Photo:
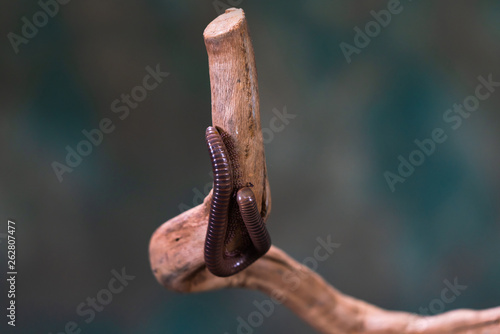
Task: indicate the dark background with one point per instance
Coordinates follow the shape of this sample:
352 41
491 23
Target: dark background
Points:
326 167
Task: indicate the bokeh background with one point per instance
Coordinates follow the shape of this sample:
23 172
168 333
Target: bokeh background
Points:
326 167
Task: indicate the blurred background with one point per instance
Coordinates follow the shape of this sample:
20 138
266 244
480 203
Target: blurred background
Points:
354 116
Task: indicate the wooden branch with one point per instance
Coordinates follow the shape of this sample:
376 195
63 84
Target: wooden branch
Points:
176 254
176 247
235 100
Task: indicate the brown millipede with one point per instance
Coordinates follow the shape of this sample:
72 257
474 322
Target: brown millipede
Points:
236 234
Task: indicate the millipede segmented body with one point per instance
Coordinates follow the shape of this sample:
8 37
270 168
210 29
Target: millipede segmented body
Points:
236 234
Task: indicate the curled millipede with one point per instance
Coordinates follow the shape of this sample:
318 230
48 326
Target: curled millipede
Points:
236 234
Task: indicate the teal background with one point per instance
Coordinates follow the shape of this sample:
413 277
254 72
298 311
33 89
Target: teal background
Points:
326 167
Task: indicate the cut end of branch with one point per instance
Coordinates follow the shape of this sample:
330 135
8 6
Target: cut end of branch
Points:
230 21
